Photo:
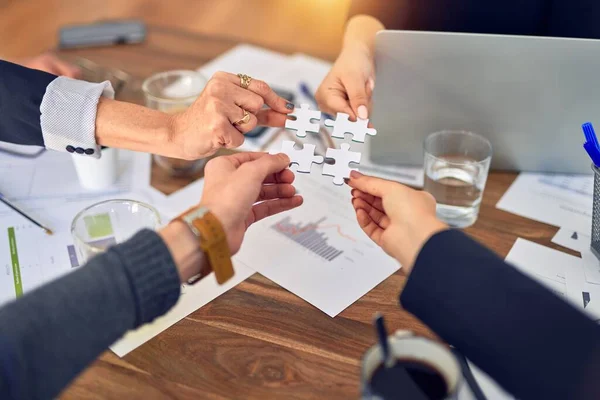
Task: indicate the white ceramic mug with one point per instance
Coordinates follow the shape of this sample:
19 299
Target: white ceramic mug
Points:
97 173
405 346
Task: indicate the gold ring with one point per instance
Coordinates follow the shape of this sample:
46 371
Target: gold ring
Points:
244 120
244 80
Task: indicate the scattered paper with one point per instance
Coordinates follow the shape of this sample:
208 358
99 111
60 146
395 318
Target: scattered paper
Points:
318 250
571 239
580 293
183 199
563 274
32 258
257 62
192 298
545 265
50 180
545 198
591 266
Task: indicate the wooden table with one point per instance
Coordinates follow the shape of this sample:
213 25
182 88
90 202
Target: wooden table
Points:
258 340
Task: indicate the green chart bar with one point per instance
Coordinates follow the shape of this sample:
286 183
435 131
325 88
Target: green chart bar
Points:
12 241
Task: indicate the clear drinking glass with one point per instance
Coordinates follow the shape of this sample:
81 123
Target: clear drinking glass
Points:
456 169
172 92
101 225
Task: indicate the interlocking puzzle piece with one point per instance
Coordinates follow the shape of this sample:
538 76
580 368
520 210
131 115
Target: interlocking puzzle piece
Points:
304 158
340 170
343 125
302 124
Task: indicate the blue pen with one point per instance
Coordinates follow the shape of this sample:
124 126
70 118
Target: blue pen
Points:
591 145
305 90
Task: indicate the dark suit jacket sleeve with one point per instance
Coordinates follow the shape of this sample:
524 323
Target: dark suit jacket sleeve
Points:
530 341
21 93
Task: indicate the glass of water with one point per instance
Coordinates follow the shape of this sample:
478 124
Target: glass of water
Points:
102 225
456 169
173 92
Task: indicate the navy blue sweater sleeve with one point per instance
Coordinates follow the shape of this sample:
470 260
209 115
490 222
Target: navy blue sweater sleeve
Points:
50 335
21 93
530 341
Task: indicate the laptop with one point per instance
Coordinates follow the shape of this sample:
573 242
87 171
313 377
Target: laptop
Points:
527 95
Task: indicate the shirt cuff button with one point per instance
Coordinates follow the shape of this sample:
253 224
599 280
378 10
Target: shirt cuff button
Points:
70 149
79 150
89 152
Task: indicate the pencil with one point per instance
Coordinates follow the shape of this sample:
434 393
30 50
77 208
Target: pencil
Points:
24 215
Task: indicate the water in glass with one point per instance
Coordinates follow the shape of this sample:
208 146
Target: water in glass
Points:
457 183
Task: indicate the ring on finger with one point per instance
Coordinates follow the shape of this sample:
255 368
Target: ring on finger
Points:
244 80
244 120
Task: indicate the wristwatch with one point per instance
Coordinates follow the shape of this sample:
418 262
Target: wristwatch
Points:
213 242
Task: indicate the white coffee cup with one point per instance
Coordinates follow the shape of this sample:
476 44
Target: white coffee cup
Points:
97 173
405 346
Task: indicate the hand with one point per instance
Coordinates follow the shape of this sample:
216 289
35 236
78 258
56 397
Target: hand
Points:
394 216
244 188
48 62
207 125
349 85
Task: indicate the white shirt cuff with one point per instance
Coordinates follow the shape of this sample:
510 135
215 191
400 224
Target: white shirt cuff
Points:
68 115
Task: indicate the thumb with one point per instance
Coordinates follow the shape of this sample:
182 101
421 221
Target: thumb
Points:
374 186
266 165
358 97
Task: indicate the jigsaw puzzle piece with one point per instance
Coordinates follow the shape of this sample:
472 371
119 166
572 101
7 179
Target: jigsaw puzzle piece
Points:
341 170
303 122
342 125
304 157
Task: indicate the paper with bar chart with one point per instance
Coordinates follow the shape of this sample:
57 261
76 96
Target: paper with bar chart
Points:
29 257
318 251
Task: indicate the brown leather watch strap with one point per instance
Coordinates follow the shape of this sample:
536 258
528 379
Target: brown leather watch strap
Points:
213 242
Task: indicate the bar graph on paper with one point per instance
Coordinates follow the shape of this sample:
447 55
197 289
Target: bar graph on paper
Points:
313 236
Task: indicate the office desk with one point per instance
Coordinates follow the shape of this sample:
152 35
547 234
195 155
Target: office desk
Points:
259 341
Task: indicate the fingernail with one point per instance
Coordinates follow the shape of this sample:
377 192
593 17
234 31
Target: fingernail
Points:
363 113
355 174
289 106
371 83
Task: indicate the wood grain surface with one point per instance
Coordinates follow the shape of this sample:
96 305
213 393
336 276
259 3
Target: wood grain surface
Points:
257 341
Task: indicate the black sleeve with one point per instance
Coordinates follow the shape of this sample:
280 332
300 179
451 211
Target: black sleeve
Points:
21 93
530 341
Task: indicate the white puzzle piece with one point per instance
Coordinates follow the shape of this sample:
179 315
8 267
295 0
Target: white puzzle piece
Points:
341 169
304 158
343 125
303 122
